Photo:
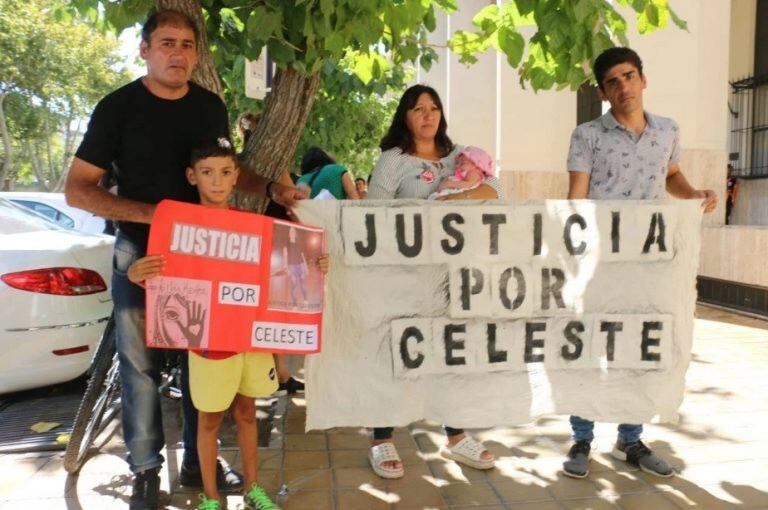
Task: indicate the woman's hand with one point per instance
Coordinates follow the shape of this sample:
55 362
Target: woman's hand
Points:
146 268
324 263
482 192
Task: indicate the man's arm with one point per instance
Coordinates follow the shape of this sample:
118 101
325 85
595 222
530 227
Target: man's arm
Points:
280 191
83 191
578 185
678 186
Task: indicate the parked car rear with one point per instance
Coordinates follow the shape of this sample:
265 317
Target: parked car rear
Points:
54 298
54 207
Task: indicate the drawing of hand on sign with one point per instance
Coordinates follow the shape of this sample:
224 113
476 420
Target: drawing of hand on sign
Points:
193 328
181 321
178 313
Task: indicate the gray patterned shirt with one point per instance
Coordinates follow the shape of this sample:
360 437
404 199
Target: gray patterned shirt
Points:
621 164
401 175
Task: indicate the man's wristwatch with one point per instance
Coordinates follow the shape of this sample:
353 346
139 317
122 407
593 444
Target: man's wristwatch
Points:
269 189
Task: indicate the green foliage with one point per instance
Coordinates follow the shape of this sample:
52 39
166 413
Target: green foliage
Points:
54 66
568 36
350 117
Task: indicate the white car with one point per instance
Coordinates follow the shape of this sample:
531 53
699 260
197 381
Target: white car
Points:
54 206
54 299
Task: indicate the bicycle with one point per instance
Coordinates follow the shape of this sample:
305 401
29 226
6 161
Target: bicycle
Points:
100 403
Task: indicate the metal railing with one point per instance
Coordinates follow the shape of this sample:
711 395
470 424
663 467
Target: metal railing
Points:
748 142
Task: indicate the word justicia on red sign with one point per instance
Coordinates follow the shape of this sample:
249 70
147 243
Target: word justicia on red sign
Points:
234 282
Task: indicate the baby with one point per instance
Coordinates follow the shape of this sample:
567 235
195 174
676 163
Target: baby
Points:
473 165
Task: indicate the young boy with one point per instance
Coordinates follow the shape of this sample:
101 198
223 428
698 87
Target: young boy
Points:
219 378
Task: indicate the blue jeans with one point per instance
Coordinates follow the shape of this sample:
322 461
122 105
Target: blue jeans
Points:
583 430
140 371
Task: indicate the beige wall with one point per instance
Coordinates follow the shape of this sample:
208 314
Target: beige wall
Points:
529 132
735 254
752 202
742 38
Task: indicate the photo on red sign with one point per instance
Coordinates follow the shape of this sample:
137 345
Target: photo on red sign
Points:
296 283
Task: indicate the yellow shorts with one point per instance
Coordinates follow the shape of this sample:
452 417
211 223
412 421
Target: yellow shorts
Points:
214 383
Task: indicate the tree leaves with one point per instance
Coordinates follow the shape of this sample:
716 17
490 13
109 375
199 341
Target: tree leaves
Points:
569 35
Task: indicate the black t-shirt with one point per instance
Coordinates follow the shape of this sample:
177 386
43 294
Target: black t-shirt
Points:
147 141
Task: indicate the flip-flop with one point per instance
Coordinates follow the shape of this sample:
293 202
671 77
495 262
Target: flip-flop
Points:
385 452
468 451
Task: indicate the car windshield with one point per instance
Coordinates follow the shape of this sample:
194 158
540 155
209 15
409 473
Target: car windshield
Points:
15 219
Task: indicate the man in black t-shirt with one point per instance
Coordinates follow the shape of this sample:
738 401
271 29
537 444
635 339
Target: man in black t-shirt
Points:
145 132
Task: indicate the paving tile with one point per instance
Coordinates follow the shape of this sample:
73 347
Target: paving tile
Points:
270 459
305 442
305 460
418 474
619 483
269 479
308 479
458 494
570 488
653 500
350 499
307 500
540 505
418 496
348 442
700 499
517 492
39 487
349 459
719 444
350 478
452 472
590 504
411 456
747 495
83 503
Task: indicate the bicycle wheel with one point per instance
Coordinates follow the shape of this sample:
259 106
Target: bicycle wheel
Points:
100 403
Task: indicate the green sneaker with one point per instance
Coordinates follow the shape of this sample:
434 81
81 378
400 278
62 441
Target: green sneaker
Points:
257 499
208 504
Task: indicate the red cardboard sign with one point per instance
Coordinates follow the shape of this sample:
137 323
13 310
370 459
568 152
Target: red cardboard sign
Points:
234 282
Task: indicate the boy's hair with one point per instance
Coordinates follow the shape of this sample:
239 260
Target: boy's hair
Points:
360 179
615 56
168 17
315 158
219 148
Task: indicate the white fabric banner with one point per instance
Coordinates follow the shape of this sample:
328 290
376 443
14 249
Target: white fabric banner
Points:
478 314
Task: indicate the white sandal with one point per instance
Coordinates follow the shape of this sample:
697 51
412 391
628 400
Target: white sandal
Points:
385 452
468 451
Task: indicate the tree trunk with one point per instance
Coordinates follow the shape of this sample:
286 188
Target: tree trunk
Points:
13 172
34 159
205 74
8 160
48 151
66 156
270 149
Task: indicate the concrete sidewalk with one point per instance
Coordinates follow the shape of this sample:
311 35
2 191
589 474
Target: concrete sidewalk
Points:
720 447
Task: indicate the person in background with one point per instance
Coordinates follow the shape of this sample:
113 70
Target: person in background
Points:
731 191
320 171
362 188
